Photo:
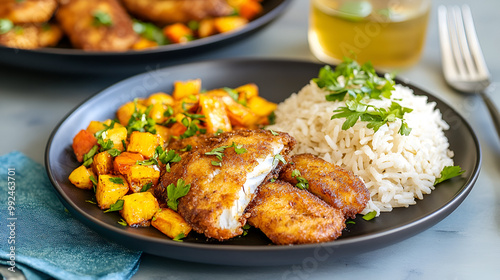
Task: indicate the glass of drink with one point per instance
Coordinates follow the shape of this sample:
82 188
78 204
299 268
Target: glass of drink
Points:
389 33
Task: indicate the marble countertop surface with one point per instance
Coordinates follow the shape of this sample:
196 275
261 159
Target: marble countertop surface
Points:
465 245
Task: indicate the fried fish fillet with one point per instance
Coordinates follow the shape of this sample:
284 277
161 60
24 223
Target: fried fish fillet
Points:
222 187
171 11
96 25
289 215
338 187
31 36
27 11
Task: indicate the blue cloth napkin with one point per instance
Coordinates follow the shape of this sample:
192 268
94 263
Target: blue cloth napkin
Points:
47 241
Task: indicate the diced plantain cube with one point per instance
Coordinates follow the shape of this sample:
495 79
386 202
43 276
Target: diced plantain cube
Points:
170 223
206 28
102 163
82 143
143 143
247 92
126 110
140 175
139 208
117 135
80 177
163 133
156 112
184 89
261 106
215 114
109 189
159 98
125 160
229 23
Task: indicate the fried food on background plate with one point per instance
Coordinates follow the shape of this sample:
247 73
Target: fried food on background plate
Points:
289 215
338 187
171 11
97 25
31 36
27 11
224 174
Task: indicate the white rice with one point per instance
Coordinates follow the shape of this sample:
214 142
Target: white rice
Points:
396 169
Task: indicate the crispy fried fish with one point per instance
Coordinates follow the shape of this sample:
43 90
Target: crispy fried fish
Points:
338 187
170 11
96 25
31 36
289 215
224 173
27 11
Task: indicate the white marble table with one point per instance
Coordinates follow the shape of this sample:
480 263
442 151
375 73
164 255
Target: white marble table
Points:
465 245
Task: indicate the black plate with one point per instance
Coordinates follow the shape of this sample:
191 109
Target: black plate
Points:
66 60
277 79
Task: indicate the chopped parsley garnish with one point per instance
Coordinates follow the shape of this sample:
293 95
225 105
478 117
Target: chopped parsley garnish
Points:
234 95
146 187
90 201
355 84
186 149
123 222
179 237
278 158
273 132
88 158
175 192
114 152
246 227
370 215
5 26
94 181
116 180
117 206
102 18
139 121
191 122
449 172
150 31
350 222
219 152
302 182
161 155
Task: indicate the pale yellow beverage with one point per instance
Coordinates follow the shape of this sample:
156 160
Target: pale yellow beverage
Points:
389 33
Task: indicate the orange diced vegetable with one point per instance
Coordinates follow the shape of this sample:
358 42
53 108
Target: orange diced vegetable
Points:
102 163
82 143
139 208
80 177
246 92
144 143
144 43
140 175
125 160
178 33
156 112
183 89
110 189
163 133
215 114
261 106
159 98
206 28
126 110
177 129
250 9
117 135
170 223
229 23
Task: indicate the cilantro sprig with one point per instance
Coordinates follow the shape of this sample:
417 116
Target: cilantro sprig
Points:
302 182
163 156
140 120
356 83
449 172
175 192
219 152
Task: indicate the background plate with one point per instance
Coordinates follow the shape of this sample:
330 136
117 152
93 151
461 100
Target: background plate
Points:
276 79
66 60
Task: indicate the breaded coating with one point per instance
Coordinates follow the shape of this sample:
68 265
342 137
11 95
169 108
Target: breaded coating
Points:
96 25
219 195
289 215
31 36
27 11
338 187
171 11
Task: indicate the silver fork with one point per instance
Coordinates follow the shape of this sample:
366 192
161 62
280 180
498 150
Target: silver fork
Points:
464 67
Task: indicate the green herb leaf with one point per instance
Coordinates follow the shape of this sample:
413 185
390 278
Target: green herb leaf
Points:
175 192
302 182
117 206
146 187
179 237
370 215
150 31
449 172
140 121
273 132
5 26
114 152
350 222
123 222
91 201
88 157
102 18
116 180
278 157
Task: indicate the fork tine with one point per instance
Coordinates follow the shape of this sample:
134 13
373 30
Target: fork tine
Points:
454 19
477 54
463 44
449 68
